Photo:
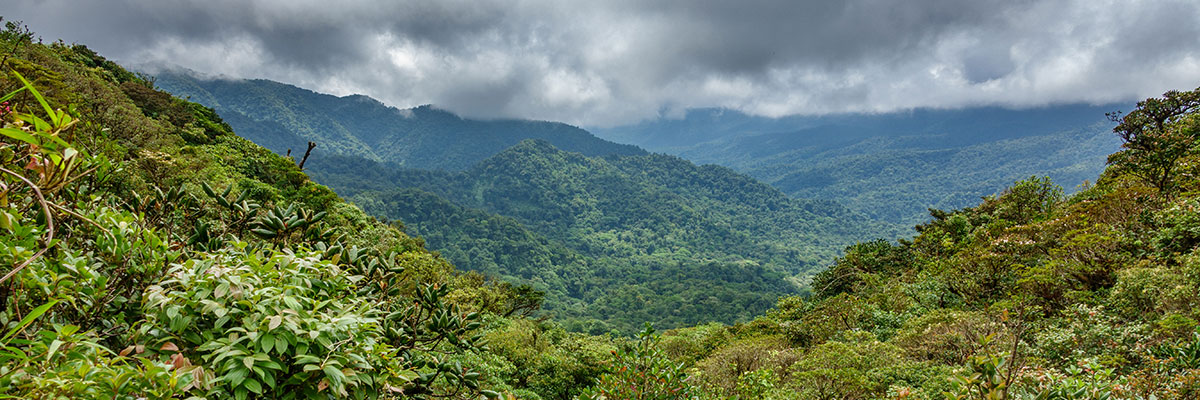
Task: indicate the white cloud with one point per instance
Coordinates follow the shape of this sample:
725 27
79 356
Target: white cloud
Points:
612 62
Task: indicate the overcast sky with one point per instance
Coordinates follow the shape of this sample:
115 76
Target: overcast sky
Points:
606 62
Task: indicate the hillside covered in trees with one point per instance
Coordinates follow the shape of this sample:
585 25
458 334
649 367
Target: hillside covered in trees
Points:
895 166
150 252
280 117
613 241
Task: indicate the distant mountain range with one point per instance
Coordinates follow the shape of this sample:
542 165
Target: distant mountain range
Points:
891 166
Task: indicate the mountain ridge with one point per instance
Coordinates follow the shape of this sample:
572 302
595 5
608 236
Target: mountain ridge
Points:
281 117
893 167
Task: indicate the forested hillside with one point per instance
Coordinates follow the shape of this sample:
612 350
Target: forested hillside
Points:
613 241
282 117
1031 294
892 167
151 253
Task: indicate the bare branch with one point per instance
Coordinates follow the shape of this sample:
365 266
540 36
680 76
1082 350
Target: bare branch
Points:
49 226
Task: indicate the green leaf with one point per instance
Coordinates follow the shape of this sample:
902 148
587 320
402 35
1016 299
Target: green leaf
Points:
6 220
281 345
253 386
335 375
37 312
20 135
264 233
236 376
29 86
12 94
56 140
307 359
267 342
53 349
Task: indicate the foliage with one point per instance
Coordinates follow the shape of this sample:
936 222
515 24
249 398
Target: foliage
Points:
547 360
154 254
1028 295
1158 133
281 321
642 372
132 277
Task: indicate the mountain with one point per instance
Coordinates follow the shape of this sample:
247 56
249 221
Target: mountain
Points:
281 117
612 240
613 236
892 167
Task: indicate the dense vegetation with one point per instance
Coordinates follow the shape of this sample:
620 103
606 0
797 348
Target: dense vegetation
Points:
613 241
892 167
282 117
152 253
1029 295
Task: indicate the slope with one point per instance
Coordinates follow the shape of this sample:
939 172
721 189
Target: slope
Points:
1029 294
150 252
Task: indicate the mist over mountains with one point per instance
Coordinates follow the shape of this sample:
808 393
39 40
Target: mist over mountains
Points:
892 166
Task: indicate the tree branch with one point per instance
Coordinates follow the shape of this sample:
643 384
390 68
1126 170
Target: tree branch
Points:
311 145
49 226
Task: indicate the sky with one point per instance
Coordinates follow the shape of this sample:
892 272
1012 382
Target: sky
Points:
611 62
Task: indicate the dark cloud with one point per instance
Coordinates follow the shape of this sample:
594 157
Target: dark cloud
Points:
618 61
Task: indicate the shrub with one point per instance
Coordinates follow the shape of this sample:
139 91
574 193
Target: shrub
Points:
857 367
722 370
642 372
946 336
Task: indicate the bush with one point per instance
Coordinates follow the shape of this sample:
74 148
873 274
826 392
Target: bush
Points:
857 367
642 372
722 370
946 336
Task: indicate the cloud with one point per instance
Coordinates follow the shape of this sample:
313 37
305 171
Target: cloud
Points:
619 61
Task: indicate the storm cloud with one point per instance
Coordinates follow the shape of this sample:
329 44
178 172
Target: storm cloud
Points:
602 63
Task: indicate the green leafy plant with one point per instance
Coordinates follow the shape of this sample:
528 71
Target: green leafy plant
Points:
642 372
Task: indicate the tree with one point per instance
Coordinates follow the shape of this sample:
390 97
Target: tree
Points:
1157 134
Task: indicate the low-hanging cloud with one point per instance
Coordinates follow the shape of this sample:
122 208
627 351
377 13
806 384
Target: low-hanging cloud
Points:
611 62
